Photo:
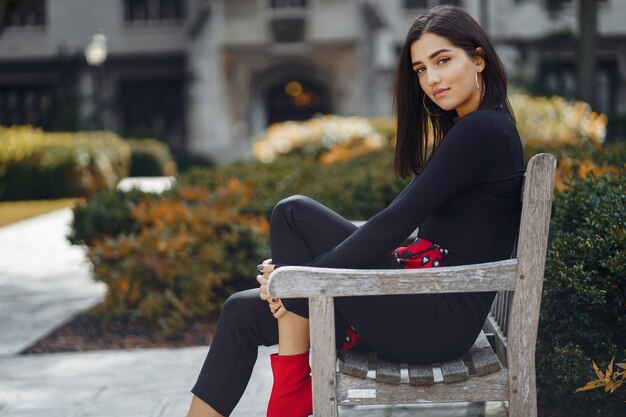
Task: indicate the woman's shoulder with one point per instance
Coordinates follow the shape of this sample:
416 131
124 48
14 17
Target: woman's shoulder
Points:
485 125
497 116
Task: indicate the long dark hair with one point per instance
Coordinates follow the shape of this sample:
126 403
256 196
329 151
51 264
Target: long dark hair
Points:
414 123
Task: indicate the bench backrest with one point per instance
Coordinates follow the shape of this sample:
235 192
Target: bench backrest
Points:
523 314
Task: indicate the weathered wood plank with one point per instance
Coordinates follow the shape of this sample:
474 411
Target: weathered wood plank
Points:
355 391
387 371
492 327
454 371
300 281
524 308
323 355
355 364
507 303
483 360
421 375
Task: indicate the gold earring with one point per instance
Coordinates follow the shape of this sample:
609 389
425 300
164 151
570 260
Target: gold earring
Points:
426 108
482 90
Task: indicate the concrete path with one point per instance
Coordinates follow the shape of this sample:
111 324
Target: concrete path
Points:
43 283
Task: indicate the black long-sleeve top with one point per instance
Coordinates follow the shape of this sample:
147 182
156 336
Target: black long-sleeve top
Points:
466 199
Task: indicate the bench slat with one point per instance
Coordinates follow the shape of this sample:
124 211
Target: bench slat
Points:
483 359
421 375
355 364
387 371
356 391
302 281
454 371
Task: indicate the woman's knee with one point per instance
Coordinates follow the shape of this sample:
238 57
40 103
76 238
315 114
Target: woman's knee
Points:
294 202
241 307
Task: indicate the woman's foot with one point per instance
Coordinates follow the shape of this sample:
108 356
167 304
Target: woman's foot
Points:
291 393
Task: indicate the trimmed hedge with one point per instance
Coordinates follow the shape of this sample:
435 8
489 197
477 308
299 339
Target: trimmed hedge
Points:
38 165
583 310
150 158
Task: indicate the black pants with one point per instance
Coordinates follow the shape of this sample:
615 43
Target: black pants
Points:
404 328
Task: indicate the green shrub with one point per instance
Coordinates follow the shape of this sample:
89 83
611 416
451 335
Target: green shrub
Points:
38 165
356 189
150 158
106 214
583 310
188 161
189 254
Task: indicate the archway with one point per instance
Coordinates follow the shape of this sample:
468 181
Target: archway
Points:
295 98
288 92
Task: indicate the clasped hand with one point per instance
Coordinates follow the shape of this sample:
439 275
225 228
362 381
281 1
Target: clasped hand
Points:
276 306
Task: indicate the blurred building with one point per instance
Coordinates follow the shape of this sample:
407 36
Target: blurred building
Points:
208 75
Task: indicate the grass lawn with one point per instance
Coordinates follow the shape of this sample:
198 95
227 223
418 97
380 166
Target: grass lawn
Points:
14 211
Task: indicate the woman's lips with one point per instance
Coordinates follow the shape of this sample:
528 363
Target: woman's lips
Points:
439 93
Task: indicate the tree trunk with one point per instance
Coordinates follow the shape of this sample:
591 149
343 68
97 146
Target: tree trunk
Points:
587 12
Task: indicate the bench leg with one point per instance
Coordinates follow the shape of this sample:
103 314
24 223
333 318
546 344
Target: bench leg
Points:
323 356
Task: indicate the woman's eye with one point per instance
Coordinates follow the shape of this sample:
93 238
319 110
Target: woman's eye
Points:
443 60
420 70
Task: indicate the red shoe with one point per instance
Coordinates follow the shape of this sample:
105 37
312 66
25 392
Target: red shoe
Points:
291 393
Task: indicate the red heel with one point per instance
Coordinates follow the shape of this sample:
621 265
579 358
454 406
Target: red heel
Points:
291 393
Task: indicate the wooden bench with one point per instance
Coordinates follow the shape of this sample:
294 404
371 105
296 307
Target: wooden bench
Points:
481 375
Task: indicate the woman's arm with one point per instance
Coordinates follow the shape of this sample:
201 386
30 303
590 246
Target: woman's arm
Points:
462 161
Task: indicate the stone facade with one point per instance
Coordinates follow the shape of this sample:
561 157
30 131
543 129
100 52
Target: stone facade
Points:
211 77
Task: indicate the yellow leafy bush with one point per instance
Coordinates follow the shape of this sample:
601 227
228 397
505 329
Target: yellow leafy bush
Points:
37 164
191 251
554 120
318 137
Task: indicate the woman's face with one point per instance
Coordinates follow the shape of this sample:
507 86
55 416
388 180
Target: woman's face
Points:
447 74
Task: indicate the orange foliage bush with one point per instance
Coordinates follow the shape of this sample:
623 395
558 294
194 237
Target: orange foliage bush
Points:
569 168
190 252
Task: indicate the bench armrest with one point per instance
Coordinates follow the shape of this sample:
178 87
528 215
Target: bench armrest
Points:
300 281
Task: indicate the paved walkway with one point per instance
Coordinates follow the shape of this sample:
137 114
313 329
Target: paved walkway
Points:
43 283
44 280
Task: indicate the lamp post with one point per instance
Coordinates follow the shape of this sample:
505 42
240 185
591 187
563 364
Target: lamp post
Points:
96 54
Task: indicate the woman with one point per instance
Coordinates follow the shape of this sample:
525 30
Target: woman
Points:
451 86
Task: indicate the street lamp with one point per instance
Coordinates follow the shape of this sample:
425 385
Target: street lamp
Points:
96 50
96 54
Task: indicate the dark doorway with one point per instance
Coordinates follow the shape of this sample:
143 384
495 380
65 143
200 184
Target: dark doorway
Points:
296 99
153 108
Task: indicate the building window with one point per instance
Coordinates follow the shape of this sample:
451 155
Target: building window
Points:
415 4
153 10
28 13
288 4
153 109
25 104
424 4
457 3
287 20
559 78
